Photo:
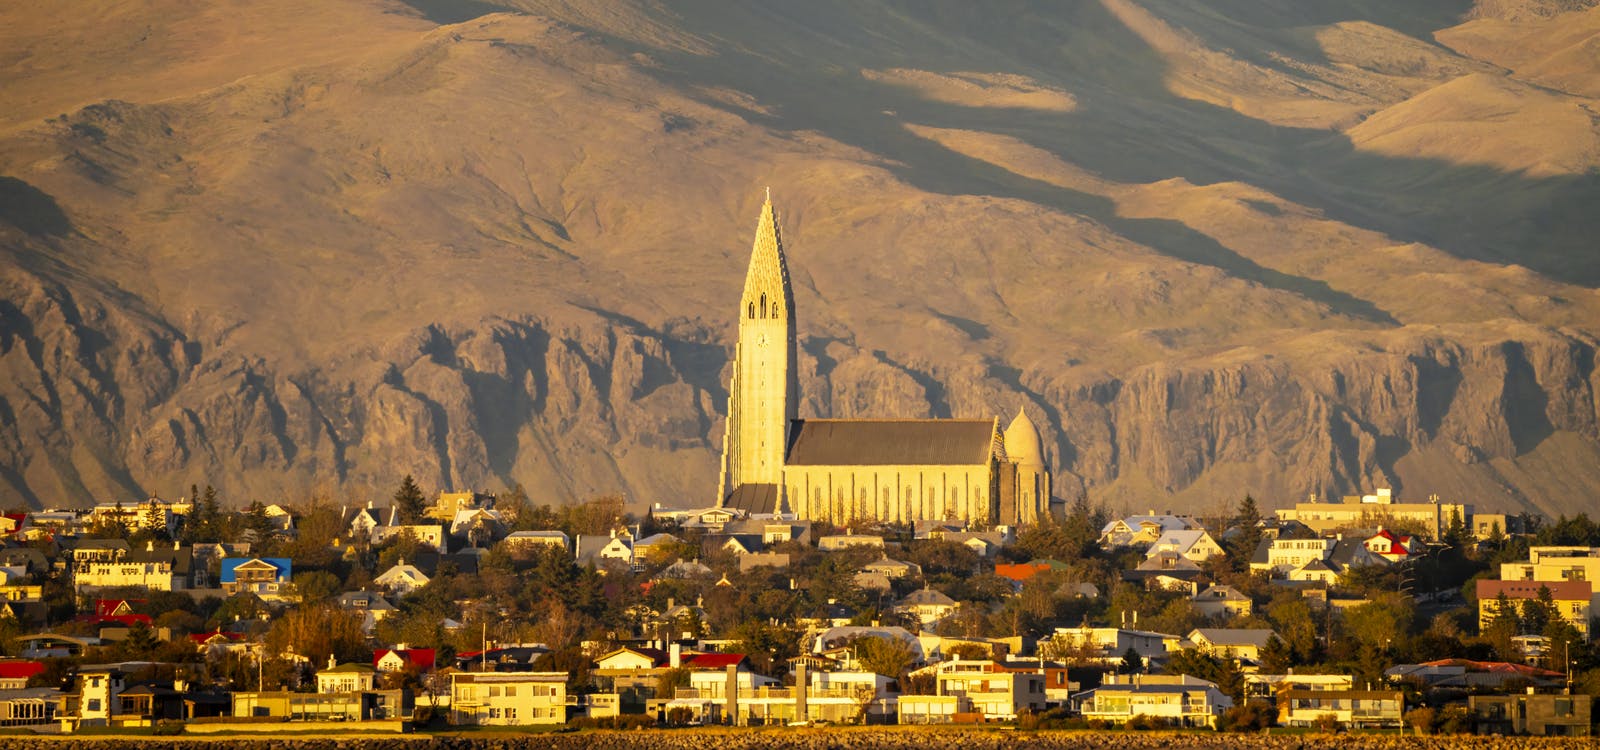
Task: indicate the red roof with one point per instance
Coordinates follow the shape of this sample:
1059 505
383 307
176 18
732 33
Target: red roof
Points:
1020 572
713 661
1493 666
203 637
421 658
1559 590
20 670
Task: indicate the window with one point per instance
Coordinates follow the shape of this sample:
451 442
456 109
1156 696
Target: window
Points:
752 311
511 691
511 713
494 713
494 691
763 304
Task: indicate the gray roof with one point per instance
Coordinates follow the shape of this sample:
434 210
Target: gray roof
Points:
753 498
1257 637
890 442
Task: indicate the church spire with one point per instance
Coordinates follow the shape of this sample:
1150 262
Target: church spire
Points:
763 394
766 284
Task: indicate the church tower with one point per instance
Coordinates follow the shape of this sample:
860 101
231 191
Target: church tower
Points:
763 396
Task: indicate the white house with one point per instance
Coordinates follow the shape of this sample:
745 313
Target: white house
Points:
1179 700
508 698
402 579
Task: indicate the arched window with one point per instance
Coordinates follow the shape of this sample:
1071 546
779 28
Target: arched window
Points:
752 311
763 304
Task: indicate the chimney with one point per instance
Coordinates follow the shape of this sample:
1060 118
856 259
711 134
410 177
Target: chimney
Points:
332 662
150 545
670 603
675 655
369 505
732 706
176 545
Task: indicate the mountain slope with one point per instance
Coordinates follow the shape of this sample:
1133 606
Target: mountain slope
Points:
1212 249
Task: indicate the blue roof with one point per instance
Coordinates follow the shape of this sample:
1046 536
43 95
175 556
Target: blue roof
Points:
283 564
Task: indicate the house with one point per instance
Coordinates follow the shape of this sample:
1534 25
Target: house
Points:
1535 714
478 526
1105 646
52 645
1268 686
716 682
218 642
1434 517
1138 531
345 678
1243 644
267 578
985 543
402 578
370 605
1550 564
1177 700
843 541
1475 675
1572 599
526 540
604 551
1277 557
15 673
510 657
980 687
29 706
359 523
656 547
734 544
637 658
1391 546
508 698
1353 709
821 695
750 562
929 606
683 570
401 658
429 535
843 636
1194 544
1058 684
451 503
1219 600
151 568
367 706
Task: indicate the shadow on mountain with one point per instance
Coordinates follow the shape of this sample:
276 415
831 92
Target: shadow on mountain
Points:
1128 127
31 210
445 12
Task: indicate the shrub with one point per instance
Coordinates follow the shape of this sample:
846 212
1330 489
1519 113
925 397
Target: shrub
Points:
1328 723
167 728
1423 720
1455 720
1250 717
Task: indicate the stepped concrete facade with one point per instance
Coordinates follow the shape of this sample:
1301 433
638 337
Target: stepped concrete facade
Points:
847 470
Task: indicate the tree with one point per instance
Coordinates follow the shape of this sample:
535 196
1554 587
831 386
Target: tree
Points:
258 524
317 632
409 503
1539 612
890 657
1132 662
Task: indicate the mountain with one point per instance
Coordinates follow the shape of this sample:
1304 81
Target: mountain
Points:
1213 248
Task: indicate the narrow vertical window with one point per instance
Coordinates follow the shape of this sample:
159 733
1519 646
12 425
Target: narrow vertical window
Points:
763 304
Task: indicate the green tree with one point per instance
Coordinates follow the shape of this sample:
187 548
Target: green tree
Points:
890 657
259 525
1132 662
409 503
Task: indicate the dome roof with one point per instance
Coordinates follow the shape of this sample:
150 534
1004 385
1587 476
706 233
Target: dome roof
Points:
1022 441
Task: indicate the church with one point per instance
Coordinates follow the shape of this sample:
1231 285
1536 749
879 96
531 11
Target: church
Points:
845 470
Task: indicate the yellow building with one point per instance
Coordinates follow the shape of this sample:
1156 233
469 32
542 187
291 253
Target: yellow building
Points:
844 470
508 698
1432 518
1571 598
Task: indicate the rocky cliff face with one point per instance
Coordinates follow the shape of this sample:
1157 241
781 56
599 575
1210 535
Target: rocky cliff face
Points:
1209 255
